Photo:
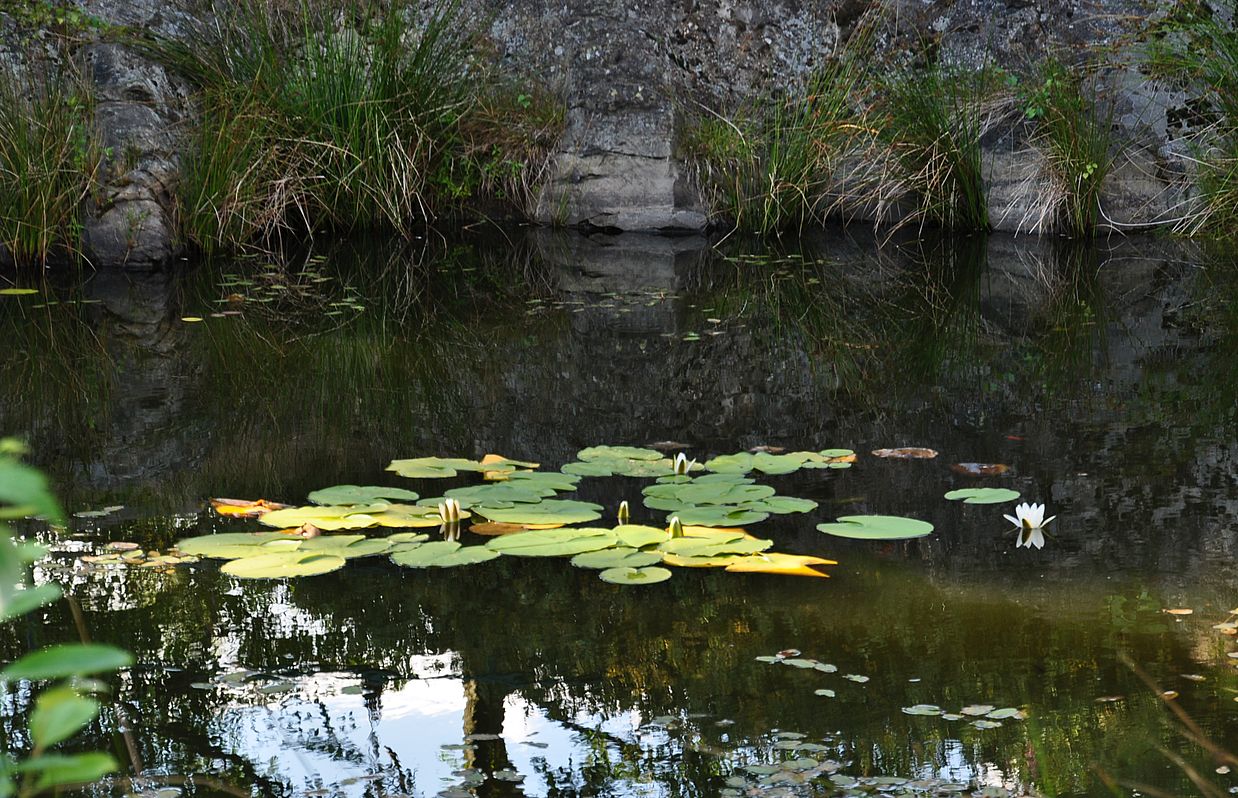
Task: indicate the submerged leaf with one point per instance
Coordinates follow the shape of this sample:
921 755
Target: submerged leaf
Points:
980 469
906 453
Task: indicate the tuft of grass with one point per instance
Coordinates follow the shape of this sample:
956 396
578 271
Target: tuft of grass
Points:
932 120
772 167
320 115
1074 134
1197 47
48 161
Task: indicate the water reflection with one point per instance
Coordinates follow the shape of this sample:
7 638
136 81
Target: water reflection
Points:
1104 377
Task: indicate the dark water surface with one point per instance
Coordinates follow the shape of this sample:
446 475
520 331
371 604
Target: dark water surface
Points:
1104 376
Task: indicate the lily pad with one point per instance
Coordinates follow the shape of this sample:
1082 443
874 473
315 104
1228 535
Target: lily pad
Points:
706 547
780 564
635 576
824 692
637 536
923 709
433 467
876 527
1004 713
983 495
331 517
553 542
977 710
346 546
617 453
500 494
553 480
234 545
360 494
719 516
620 557
550 511
442 554
283 565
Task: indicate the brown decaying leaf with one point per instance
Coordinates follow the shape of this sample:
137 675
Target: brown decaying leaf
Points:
669 446
906 453
980 469
846 458
240 508
768 449
498 475
1179 612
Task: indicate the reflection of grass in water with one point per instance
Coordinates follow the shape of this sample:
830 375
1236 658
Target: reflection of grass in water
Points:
56 375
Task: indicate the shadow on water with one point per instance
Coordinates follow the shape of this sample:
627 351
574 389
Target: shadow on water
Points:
1104 376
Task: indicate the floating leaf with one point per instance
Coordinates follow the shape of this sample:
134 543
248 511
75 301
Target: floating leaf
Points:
824 692
329 517
781 564
500 494
906 453
433 467
18 291
855 677
243 508
346 546
680 561
977 709
550 511
628 461
283 565
980 469
635 576
986 724
234 545
620 557
360 494
719 516
617 453
983 495
553 542
876 527
923 709
494 528
443 554
552 480
715 547
637 537
498 467
780 505
1182 611
1003 714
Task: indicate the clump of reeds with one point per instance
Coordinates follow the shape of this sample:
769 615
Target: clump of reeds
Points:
932 120
773 165
1074 136
358 115
48 160
1197 48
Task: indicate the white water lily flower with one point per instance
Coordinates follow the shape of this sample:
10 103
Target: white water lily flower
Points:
1030 520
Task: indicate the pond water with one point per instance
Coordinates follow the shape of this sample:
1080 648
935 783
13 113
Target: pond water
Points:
1103 376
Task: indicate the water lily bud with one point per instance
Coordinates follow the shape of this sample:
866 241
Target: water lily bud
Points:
624 513
681 464
676 527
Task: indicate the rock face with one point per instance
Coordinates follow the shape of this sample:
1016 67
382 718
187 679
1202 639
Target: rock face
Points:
631 73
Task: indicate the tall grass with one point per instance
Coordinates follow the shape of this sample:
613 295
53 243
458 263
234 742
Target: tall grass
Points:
1199 50
320 116
772 167
1074 135
933 119
48 160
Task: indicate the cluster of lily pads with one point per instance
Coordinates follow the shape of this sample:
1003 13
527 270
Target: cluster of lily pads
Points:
983 716
705 506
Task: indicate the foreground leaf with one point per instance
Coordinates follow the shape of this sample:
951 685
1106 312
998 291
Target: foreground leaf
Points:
69 659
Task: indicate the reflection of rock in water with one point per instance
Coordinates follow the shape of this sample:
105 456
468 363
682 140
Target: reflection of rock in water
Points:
150 430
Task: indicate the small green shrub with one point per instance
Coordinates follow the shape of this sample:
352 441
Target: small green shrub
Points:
48 160
932 120
1074 134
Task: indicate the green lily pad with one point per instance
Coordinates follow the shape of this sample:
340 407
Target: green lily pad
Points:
986 724
329 517
824 692
720 516
442 554
976 710
617 453
983 495
360 494
404 538
635 576
781 505
346 546
552 480
434 467
1004 713
709 547
233 545
550 511
637 537
553 542
500 494
620 557
876 527
923 709
587 469
283 565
